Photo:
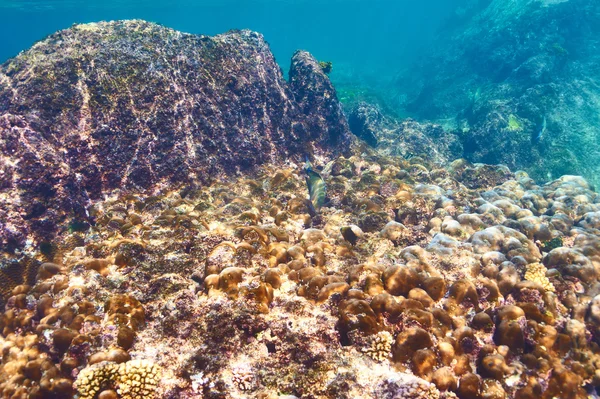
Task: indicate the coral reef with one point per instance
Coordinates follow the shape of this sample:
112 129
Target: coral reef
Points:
417 278
234 290
496 75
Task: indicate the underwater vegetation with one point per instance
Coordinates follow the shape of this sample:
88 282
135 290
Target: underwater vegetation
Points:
326 66
513 124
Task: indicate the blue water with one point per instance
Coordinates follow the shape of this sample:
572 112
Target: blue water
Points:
364 37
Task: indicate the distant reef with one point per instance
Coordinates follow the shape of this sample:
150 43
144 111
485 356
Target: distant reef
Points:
406 139
500 68
137 107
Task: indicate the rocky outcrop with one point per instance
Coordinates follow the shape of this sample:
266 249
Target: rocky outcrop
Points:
316 97
406 138
504 67
138 107
365 122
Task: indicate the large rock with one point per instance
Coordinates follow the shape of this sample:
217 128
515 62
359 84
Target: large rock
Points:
134 106
500 68
316 97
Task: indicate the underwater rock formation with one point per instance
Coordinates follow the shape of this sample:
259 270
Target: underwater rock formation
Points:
501 69
137 107
315 95
406 138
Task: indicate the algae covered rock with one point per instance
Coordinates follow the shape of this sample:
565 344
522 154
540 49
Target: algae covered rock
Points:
316 98
407 138
364 121
135 106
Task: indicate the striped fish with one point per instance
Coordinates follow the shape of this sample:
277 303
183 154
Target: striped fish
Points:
539 134
316 187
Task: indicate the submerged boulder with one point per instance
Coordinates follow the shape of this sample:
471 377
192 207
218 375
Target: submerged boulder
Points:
316 97
135 106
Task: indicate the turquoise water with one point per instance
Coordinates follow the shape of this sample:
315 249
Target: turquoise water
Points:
364 37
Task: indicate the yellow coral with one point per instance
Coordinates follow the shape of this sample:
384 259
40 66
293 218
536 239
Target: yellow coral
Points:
536 272
381 346
135 379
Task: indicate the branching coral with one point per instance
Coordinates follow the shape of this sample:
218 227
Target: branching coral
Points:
381 346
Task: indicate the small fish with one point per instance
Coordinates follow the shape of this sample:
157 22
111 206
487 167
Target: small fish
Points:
539 134
76 225
316 187
349 234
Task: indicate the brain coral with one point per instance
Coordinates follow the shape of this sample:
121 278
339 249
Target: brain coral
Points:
135 379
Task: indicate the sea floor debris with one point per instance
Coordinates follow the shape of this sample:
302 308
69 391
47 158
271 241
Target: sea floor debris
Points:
235 291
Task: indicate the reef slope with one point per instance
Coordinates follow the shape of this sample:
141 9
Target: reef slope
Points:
500 68
136 106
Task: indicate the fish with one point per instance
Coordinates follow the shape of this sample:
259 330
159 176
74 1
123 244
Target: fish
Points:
316 187
539 133
349 234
